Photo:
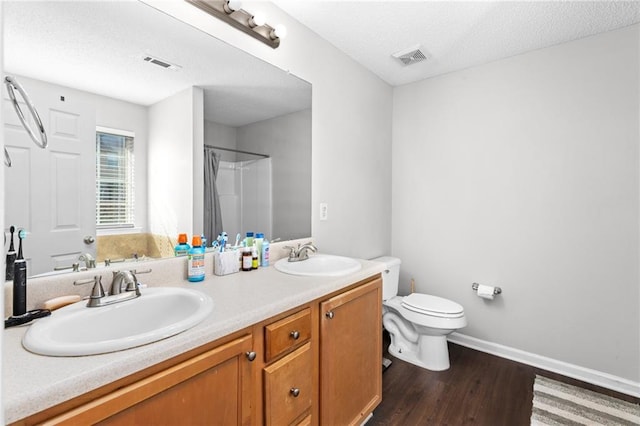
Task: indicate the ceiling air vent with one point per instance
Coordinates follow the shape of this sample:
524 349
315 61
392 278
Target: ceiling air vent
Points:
161 63
410 56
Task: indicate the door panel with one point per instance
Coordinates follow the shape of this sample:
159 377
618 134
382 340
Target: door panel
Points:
51 192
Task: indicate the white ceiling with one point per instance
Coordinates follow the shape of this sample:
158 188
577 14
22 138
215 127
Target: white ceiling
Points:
454 35
98 46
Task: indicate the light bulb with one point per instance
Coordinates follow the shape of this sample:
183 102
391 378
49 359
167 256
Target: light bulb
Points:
232 5
257 20
280 31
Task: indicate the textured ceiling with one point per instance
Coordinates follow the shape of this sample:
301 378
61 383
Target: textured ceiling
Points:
98 46
453 35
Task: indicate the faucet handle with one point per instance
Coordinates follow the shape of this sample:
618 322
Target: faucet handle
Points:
292 251
97 292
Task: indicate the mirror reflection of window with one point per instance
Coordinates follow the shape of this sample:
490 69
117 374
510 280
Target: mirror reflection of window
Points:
115 194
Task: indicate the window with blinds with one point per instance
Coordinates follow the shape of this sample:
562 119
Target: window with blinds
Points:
115 195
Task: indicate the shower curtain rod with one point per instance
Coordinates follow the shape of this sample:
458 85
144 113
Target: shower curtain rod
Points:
237 150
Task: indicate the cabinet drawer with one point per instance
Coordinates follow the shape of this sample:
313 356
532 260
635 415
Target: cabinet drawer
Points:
288 333
288 387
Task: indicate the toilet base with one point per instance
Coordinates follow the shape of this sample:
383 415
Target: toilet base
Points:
432 353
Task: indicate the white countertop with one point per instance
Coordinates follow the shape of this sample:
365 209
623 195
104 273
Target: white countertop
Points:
32 383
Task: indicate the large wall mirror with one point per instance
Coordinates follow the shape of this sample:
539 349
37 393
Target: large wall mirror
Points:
122 87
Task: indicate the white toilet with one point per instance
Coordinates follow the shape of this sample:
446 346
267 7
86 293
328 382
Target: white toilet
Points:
418 323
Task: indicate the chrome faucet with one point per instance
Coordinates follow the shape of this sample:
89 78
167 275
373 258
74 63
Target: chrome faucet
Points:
124 281
88 260
125 286
301 252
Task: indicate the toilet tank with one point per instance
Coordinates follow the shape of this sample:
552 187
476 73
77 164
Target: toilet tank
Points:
390 276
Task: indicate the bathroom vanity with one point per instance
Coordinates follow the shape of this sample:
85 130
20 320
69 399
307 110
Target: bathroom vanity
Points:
277 349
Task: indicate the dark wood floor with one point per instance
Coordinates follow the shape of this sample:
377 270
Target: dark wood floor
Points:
479 389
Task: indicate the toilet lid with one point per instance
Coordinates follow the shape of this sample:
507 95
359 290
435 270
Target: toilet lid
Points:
432 305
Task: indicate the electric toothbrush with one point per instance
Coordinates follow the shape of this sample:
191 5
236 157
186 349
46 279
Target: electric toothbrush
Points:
20 280
11 257
20 314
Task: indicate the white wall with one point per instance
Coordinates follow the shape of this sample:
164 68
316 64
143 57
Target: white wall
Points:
197 129
351 129
221 135
287 139
523 173
172 163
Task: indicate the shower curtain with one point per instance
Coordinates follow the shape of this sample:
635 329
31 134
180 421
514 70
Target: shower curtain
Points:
212 215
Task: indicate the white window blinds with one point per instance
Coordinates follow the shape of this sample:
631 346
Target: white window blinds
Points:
115 195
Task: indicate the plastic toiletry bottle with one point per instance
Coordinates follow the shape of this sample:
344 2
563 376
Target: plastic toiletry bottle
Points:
182 248
204 241
20 280
264 255
259 240
255 260
247 259
248 242
195 260
11 257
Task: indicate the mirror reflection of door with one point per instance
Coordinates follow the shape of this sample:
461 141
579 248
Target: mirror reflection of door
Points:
51 192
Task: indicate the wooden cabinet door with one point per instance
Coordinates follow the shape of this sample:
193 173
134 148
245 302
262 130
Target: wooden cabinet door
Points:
351 355
213 388
288 392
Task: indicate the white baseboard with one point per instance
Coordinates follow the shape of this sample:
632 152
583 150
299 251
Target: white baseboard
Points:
595 377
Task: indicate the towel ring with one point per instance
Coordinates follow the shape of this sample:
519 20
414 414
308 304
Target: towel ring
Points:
41 141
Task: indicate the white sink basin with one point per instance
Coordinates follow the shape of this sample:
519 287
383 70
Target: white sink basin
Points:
78 330
320 265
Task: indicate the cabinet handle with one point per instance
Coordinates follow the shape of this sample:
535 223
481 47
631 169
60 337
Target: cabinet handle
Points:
295 335
251 355
329 315
295 392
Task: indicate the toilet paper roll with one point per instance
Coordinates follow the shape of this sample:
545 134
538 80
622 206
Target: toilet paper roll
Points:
485 291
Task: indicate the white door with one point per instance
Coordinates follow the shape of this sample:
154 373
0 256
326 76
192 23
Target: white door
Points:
51 192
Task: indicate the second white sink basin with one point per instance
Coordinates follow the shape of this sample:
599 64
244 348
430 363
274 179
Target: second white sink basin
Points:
78 330
320 265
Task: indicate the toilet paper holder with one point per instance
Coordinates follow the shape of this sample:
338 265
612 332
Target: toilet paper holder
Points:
496 290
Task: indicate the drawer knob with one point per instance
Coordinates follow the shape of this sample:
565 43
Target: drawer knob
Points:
329 315
295 335
295 392
251 355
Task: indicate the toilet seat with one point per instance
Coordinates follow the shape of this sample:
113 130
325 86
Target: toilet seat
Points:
432 305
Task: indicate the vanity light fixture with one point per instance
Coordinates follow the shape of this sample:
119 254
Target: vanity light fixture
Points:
231 6
230 11
257 20
280 31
